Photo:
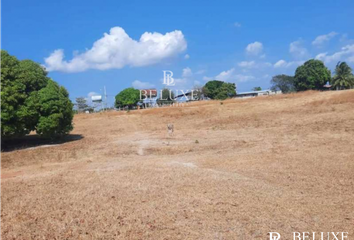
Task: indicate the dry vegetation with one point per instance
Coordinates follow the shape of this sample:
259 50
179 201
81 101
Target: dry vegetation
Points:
235 170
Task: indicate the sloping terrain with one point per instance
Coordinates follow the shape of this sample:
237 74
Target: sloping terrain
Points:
236 169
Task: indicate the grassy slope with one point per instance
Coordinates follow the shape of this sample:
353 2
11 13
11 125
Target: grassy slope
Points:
281 163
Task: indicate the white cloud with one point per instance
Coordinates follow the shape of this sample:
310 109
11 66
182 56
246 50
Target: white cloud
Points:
280 63
231 76
117 50
225 75
186 56
237 24
142 85
297 50
254 48
186 72
245 64
284 64
345 54
323 38
253 64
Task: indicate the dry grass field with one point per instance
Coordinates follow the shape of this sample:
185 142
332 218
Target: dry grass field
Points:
232 170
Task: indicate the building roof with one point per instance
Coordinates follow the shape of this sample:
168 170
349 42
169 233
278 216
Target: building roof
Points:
253 92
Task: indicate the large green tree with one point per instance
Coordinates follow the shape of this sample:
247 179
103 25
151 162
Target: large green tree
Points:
343 78
283 83
129 97
219 90
21 82
311 76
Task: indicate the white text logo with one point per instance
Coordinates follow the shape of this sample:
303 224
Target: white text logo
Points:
274 236
168 79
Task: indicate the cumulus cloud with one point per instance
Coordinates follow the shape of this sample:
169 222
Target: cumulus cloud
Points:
254 48
226 75
319 40
246 64
186 56
231 76
297 50
187 72
253 64
345 54
284 64
117 50
142 85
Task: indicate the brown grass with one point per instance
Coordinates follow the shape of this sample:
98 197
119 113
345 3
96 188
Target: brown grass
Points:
233 171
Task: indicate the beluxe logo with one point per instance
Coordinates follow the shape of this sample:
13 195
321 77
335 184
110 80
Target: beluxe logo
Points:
167 78
312 236
154 97
274 236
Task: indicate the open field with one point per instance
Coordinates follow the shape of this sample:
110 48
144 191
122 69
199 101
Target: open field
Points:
236 170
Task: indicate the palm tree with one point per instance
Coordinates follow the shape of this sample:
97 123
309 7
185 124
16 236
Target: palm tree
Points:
343 78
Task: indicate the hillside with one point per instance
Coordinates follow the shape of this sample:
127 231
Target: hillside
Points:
236 169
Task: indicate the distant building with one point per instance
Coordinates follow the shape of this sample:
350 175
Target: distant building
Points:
257 93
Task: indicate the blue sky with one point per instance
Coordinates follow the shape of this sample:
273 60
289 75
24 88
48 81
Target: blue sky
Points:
118 44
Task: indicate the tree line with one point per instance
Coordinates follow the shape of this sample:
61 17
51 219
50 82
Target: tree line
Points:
313 75
214 89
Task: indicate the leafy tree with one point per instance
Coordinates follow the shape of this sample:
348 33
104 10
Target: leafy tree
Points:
166 97
343 78
311 76
283 83
20 106
81 104
55 111
257 89
129 97
219 90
